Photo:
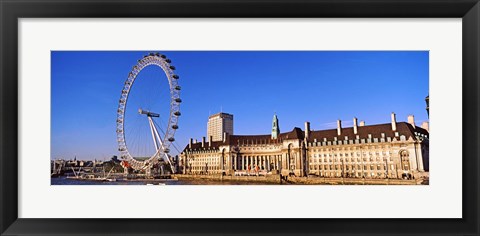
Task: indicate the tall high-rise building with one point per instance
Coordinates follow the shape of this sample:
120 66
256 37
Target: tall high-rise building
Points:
218 124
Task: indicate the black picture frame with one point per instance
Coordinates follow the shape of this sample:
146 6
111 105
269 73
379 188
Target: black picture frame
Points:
11 11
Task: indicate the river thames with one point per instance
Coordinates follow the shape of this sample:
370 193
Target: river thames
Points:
64 181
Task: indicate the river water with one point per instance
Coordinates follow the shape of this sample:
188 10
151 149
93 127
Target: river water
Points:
64 181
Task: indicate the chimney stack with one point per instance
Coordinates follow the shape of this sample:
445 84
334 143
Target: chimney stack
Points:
394 122
203 142
307 129
411 120
355 127
210 138
425 126
339 127
362 123
190 144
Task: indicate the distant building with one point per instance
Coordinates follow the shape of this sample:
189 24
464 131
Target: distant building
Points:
390 150
218 124
427 100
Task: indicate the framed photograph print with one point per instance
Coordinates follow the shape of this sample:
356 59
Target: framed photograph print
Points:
239 117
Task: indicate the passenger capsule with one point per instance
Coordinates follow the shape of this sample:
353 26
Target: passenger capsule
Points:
178 100
178 87
171 139
168 60
163 56
157 54
177 113
174 126
172 67
176 76
166 150
151 54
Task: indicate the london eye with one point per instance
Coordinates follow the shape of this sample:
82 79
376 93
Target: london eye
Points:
148 113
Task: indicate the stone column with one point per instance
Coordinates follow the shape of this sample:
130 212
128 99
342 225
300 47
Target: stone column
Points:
419 157
265 162
243 162
279 162
268 162
235 163
247 158
272 161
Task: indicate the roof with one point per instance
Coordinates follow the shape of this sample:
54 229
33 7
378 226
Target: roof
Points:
296 133
376 131
403 128
221 114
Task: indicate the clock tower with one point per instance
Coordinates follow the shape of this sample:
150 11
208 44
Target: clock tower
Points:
275 127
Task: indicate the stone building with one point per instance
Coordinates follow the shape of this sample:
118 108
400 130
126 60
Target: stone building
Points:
390 150
218 124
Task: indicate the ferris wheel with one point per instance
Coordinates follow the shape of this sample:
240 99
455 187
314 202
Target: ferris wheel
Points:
162 136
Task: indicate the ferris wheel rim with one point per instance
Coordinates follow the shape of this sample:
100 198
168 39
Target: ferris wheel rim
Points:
161 61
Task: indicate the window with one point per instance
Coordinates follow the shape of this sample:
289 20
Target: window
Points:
405 160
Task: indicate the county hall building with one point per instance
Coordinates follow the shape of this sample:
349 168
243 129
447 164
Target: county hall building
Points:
390 150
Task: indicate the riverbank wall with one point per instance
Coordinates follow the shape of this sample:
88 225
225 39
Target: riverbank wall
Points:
275 179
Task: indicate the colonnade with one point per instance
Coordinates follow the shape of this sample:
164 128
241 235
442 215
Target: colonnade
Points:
264 162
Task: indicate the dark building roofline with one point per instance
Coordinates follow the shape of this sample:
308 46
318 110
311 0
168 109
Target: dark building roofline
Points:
376 131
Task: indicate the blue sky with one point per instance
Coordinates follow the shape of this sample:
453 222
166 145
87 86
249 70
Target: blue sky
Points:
315 86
